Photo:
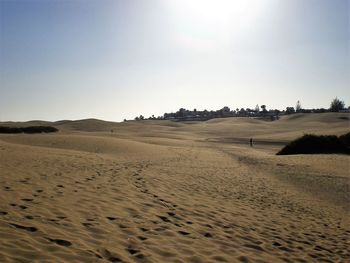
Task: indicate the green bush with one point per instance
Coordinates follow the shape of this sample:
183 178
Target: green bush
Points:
313 144
345 139
30 129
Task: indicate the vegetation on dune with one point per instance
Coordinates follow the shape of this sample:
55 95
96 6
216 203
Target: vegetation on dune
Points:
345 139
261 112
314 144
337 105
30 129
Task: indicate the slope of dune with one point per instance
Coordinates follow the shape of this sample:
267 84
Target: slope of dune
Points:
279 132
121 148
162 191
88 125
328 117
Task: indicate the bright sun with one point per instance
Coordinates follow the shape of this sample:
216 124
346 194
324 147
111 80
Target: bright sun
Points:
210 25
233 13
218 10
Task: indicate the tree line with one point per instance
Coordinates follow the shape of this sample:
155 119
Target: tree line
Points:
183 114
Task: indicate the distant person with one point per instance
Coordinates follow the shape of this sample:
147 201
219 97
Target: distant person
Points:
251 142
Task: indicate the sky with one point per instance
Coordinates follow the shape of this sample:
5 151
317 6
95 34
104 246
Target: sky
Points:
116 59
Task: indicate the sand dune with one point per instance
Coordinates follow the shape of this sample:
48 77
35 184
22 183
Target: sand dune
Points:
161 191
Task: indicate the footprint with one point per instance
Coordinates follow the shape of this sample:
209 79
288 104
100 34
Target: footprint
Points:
27 199
219 258
60 242
27 228
165 219
2 213
243 259
144 229
135 252
25 181
286 249
95 254
276 244
171 213
140 256
111 218
208 235
110 256
256 247
184 233
132 251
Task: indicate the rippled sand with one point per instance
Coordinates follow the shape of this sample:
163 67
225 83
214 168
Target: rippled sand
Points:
170 192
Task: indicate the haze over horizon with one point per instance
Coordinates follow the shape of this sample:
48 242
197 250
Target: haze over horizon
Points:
118 59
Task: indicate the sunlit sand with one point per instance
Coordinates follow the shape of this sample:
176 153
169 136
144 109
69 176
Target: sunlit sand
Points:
162 191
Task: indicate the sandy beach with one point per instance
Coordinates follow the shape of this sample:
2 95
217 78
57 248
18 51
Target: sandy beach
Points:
164 191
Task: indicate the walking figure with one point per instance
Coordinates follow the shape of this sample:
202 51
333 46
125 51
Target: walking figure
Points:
251 142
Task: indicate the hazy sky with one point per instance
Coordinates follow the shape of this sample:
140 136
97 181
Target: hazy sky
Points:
73 59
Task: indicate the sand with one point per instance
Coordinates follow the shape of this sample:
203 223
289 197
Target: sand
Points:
159 191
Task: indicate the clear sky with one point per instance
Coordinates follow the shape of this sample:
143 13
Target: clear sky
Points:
115 59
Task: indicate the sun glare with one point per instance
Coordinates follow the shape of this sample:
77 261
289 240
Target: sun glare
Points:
218 9
220 12
209 25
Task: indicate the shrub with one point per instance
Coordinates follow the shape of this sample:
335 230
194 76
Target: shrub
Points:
313 144
345 139
9 130
30 129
